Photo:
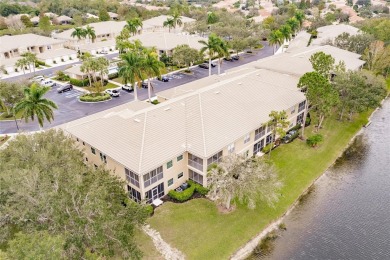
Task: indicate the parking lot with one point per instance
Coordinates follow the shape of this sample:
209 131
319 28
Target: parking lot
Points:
70 108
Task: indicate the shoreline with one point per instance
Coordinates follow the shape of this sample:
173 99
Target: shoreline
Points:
244 251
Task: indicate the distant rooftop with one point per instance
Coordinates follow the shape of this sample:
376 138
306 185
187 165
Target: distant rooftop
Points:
8 43
330 32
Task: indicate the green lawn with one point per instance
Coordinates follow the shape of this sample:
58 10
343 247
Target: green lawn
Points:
201 232
108 86
146 245
4 117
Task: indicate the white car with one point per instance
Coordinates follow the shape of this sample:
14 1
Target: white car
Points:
48 83
104 52
127 87
38 78
113 92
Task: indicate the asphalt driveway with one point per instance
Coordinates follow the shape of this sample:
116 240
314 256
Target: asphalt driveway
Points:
69 107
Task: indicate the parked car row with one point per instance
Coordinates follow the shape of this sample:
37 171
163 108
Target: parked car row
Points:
205 65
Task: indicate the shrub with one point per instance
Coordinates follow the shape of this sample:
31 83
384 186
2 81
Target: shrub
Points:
314 140
149 208
308 121
296 127
113 75
182 196
94 97
79 83
267 148
198 188
155 102
62 76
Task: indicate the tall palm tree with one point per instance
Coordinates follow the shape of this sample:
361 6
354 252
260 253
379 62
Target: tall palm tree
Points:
151 67
170 23
300 16
286 32
294 24
275 38
177 20
21 64
87 68
138 23
90 33
130 69
103 64
78 33
35 105
222 51
211 46
31 59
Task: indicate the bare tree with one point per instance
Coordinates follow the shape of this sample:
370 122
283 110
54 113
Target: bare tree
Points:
248 181
14 23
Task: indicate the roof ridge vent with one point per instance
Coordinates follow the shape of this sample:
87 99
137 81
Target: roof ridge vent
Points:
217 92
167 108
137 120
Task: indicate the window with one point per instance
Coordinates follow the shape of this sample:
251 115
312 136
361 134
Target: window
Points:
180 175
154 193
216 158
300 118
134 194
169 164
231 148
247 154
132 177
270 128
103 157
153 176
259 133
83 143
258 146
179 158
195 176
247 138
170 182
268 139
293 110
93 150
49 47
195 162
86 159
302 106
95 166
77 139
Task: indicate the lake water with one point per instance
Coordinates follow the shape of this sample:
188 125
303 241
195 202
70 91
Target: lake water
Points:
347 215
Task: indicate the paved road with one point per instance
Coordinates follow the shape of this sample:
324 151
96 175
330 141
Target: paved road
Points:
49 72
69 108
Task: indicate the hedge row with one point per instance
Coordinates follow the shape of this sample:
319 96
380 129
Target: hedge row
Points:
187 193
94 97
79 83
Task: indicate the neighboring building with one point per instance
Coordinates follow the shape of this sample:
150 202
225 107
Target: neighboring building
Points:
88 15
75 72
57 56
104 31
97 47
63 19
155 24
113 16
51 15
35 20
297 62
330 32
12 47
157 148
165 42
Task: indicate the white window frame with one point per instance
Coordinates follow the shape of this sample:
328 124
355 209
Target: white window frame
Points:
247 138
231 148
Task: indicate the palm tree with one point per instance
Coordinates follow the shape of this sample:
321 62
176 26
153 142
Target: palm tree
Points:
31 59
86 68
222 51
286 32
177 20
90 32
130 69
34 105
134 25
211 46
170 23
278 124
300 16
151 67
275 38
294 24
103 64
78 33
22 63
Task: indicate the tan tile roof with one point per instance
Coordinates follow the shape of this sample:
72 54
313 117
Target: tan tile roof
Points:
97 45
330 32
201 122
297 61
112 27
55 53
25 40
